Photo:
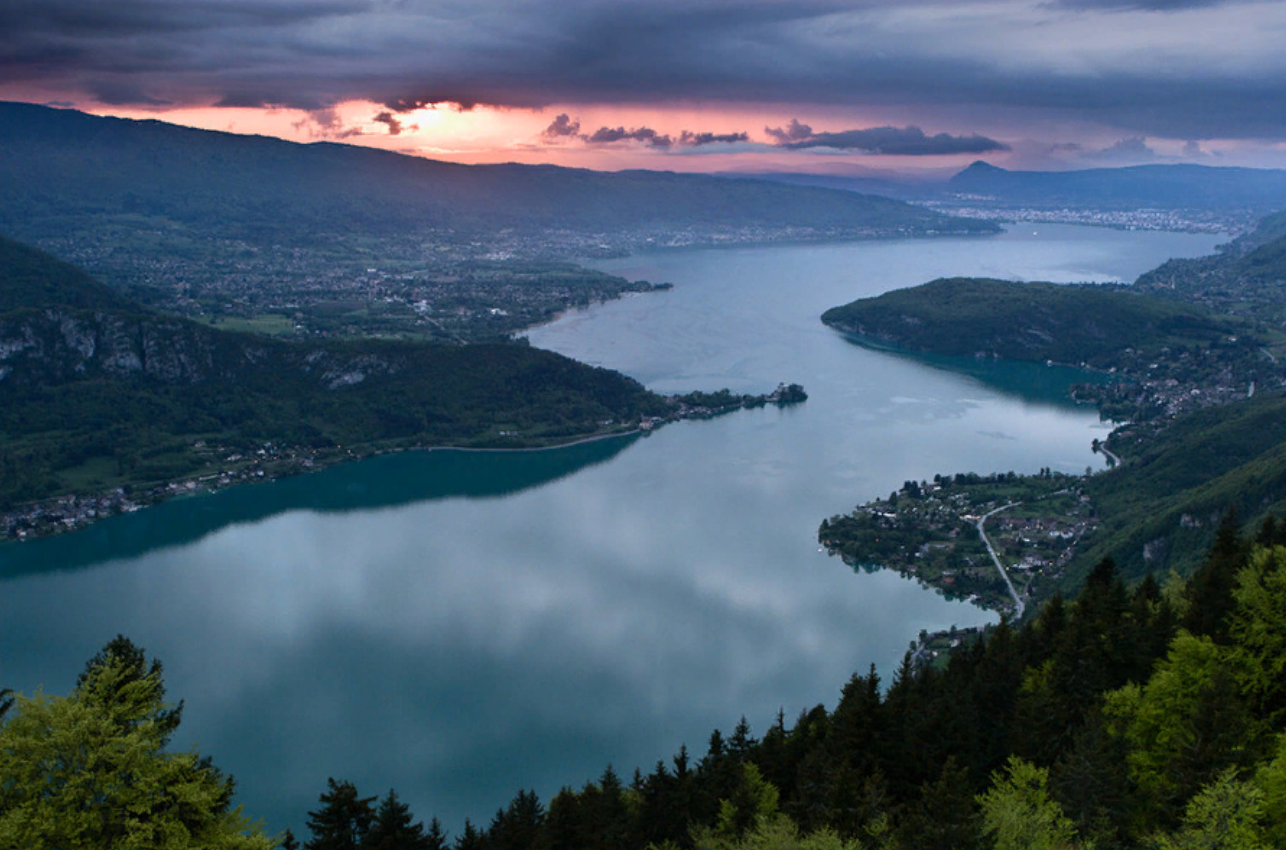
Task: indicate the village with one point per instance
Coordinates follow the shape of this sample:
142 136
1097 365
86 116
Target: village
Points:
933 532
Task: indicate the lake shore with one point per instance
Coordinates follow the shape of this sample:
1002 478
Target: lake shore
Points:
72 511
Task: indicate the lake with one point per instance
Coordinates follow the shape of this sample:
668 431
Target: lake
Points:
461 625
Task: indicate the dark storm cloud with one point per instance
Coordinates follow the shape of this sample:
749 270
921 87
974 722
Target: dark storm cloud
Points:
695 140
610 135
562 127
1138 5
387 119
793 132
994 60
892 141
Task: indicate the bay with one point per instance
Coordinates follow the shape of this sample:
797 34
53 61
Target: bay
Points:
462 625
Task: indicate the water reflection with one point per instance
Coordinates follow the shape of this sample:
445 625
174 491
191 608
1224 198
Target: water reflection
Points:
376 483
459 649
388 629
1034 383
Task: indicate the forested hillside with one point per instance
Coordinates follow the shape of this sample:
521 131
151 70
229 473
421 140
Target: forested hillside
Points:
1161 507
100 393
1025 321
1247 277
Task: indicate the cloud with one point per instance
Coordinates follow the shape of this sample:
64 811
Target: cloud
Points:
387 119
561 127
1133 149
326 124
1107 63
696 140
610 135
794 132
890 141
1138 5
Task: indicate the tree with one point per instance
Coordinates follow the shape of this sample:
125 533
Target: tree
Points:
775 833
469 838
91 770
342 821
1225 815
1019 813
1258 630
945 817
516 827
134 668
1184 726
393 828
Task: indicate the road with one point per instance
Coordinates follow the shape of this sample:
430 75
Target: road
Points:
996 558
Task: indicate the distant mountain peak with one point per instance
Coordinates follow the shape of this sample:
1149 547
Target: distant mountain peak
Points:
979 166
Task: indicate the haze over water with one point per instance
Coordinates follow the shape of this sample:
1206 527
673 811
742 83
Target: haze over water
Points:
459 626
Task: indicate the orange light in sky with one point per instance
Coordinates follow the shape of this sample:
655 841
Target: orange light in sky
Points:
486 134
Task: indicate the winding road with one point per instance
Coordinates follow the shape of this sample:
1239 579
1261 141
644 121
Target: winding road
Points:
1022 606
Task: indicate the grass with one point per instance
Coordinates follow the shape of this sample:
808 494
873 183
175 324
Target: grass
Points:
269 324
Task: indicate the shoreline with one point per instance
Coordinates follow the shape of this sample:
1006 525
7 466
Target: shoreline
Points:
71 512
63 514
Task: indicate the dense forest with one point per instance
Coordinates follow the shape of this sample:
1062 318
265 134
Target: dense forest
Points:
1026 321
1144 716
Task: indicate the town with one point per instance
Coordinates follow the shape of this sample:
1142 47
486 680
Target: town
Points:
943 533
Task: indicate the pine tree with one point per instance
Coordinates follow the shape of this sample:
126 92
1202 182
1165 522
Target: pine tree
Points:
342 821
91 770
470 838
393 827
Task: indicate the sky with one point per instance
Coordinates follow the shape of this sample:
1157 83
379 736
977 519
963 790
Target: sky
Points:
862 87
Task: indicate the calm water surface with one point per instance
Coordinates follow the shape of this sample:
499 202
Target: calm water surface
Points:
460 625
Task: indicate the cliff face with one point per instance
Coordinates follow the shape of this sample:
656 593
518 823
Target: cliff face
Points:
58 346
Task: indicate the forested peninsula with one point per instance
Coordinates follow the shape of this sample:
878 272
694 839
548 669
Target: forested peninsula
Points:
982 317
108 406
1193 375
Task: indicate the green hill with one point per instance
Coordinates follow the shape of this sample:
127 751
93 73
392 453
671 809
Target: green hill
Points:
34 280
1023 321
1247 277
96 392
1161 508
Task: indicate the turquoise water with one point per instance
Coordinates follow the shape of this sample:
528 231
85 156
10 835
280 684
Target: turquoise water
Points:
462 625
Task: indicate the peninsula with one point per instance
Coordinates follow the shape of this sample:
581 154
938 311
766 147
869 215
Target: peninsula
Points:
108 406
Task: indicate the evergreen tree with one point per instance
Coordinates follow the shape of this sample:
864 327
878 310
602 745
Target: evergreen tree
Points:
435 836
393 827
516 827
944 817
91 770
1209 591
342 821
470 838
132 662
